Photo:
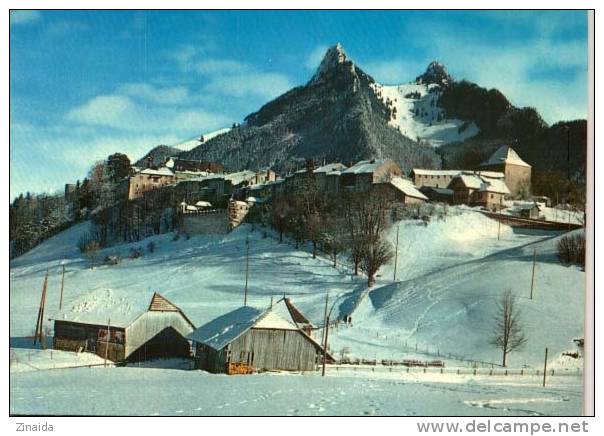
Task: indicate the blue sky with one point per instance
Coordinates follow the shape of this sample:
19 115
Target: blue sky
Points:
85 84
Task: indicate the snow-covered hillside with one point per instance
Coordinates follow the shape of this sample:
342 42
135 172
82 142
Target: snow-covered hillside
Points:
194 142
449 276
418 116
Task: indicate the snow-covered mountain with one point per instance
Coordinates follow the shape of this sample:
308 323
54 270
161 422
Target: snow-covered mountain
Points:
190 144
417 115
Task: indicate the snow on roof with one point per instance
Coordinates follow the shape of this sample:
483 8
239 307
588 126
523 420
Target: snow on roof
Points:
273 321
424 172
494 185
505 154
201 203
527 206
239 177
228 327
117 308
191 207
483 183
365 166
470 180
287 310
163 171
251 200
491 174
407 187
332 167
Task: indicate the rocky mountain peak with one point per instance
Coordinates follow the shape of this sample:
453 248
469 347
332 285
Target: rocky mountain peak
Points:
335 56
435 73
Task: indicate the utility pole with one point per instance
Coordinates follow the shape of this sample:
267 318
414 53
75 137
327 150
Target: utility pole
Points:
247 268
107 340
545 368
325 346
396 253
62 285
325 318
568 151
40 322
499 220
533 274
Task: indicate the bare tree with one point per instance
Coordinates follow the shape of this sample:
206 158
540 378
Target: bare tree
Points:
508 334
280 212
334 236
375 254
366 219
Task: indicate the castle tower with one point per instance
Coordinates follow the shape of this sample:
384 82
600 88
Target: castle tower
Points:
517 173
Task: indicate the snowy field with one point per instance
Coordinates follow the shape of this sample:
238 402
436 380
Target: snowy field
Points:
450 274
148 391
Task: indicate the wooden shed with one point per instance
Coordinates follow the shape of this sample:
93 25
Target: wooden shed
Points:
122 333
250 339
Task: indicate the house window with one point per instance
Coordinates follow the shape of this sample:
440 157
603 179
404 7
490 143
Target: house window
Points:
492 196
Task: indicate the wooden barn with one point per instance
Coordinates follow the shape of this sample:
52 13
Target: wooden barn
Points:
250 339
120 332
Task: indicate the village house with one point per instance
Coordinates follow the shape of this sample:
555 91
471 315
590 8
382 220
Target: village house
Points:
476 189
516 171
438 195
363 174
147 180
327 178
432 178
117 330
250 339
528 210
399 191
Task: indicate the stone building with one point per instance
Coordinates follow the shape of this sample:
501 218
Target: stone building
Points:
474 189
516 171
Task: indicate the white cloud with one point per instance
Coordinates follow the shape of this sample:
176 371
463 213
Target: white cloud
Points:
24 16
264 85
220 66
105 110
145 91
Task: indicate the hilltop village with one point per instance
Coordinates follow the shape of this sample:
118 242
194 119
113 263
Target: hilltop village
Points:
199 197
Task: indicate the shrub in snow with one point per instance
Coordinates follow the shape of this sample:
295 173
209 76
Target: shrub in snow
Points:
571 249
112 260
135 253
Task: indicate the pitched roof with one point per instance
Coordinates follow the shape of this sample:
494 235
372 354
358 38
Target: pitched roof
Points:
424 172
163 171
226 328
329 168
365 166
223 330
505 154
407 187
483 183
117 308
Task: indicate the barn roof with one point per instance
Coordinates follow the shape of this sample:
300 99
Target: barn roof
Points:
223 330
116 308
285 308
426 172
163 171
